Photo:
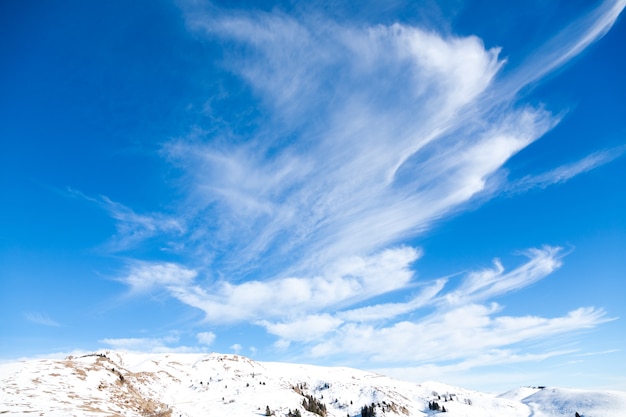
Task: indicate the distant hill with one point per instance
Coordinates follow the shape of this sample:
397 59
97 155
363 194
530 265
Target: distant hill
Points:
188 385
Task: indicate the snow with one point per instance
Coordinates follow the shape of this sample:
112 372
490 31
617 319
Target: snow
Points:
177 385
553 402
518 394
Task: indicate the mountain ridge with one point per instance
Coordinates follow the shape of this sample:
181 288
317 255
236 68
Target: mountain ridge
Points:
113 383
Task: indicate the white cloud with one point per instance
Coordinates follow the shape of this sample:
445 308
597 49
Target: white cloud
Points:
349 281
389 128
457 328
237 348
368 136
144 276
147 344
488 283
41 318
453 335
206 338
390 310
568 44
282 344
500 369
133 229
419 116
568 171
305 329
508 373
424 81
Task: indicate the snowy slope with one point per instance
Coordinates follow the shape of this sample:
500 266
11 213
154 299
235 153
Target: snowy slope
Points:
553 402
133 384
518 394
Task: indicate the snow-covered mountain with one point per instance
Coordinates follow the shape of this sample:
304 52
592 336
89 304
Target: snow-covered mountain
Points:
173 385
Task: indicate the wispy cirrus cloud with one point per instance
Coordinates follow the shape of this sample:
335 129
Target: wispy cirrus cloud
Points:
206 338
133 229
303 329
369 135
567 44
454 335
457 329
389 127
351 281
387 311
566 172
507 371
145 276
385 149
41 318
454 321
489 283
150 344
139 343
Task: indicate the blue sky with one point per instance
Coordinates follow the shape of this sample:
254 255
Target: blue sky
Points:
434 191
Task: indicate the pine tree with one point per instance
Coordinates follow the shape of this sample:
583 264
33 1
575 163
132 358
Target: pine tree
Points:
368 411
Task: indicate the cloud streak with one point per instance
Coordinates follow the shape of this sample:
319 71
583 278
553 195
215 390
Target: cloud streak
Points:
451 322
390 127
369 135
206 338
42 319
166 344
489 283
145 276
568 171
454 335
133 229
568 43
375 162
351 281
